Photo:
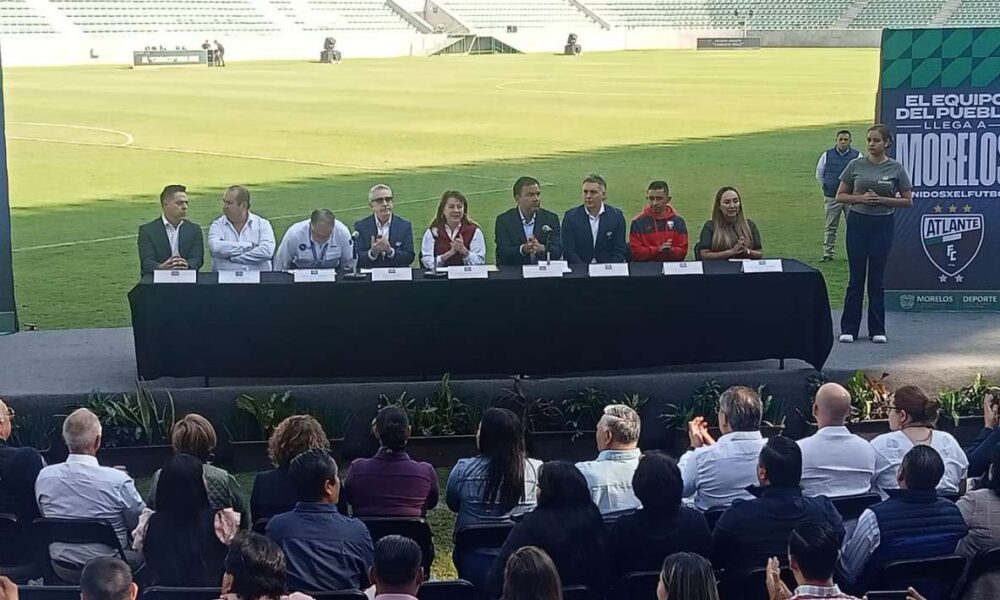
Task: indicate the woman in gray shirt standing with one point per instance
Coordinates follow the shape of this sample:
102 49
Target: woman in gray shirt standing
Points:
874 186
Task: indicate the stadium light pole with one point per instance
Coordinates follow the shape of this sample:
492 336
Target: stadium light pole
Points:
8 312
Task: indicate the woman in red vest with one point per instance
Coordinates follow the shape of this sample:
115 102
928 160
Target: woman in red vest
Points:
452 239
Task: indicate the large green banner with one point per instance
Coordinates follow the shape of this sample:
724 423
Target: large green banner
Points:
8 315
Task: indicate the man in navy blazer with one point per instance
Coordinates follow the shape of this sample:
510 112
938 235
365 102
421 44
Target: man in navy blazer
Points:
594 232
171 241
384 239
527 233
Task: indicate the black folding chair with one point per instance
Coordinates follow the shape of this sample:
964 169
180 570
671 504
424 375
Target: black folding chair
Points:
52 530
13 539
712 516
640 585
414 528
579 592
935 578
950 496
51 592
484 535
458 589
611 517
851 507
160 592
753 584
987 562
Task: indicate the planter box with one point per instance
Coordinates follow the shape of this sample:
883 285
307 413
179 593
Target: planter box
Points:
562 445
139 461
442 451
252 457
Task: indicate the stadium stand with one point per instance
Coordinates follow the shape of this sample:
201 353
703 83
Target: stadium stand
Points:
17 17
779 14
357 15
110 17
976 13
897 13
490 14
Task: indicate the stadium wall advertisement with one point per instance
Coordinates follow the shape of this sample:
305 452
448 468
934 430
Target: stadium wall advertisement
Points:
8 316
940 95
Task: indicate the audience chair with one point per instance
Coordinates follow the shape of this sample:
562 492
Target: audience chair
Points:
712 516
987 562
851 507
611 517
341 595
934 578
74 531
579 592
11 537
640 585
753 584
459 589
260 525
159 592
52 592
414 528
470 542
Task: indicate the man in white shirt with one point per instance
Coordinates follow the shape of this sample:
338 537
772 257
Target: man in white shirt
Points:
716 473
319 242
81 488
835 462
610 476
240 240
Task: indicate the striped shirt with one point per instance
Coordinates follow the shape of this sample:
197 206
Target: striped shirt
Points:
807 592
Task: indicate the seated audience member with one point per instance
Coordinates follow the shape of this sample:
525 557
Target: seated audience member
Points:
107 579
981 511
594 232
913 523
911 420
640 541
184 541
835 462
716 473
255 570
500 481
19 468
813 549
687 576
980 452
273 491
610 476
658 234
452 239
527 233
320 242
752 531
194 435
171 242
324 549
81 488
397 572
729 234
565 524
391 484
239 240
531 575
384 238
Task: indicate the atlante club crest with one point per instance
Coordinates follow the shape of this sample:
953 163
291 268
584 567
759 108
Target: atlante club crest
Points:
951 242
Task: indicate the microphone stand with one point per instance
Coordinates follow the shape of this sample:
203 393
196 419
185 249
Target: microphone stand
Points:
355 274
434 273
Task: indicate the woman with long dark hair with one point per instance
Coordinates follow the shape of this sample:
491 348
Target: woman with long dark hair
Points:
566 524
531 575
452 239
687 576
981 511
729 234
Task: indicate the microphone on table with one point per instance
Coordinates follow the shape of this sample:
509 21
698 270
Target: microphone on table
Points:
355 274
434 273
548 235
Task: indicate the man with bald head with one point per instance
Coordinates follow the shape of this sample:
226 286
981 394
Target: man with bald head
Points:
835 462
19 468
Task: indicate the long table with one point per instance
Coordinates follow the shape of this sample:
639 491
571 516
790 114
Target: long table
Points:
504 325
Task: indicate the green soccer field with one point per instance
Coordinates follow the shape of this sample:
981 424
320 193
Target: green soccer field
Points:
90 147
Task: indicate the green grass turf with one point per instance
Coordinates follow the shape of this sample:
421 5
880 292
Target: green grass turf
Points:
757 120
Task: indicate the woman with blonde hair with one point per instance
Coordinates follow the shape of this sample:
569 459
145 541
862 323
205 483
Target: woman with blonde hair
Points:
729 234
452 239
531 575
273 491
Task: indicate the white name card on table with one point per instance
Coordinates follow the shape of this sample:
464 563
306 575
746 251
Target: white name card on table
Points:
392 274
684 268
555 268
469 272
178 276
609 270
763 266
239 276
314 275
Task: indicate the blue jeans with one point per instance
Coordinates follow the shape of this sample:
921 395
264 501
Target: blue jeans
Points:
869 239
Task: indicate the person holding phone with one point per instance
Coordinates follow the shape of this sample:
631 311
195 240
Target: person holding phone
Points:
729 235
874 186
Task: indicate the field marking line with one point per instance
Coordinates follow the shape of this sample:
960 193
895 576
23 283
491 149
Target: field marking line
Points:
129 138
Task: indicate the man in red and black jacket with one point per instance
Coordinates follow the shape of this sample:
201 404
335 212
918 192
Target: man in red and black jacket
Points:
659 234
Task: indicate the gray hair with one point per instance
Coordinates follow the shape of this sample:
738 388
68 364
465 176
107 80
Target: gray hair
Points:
622 422
375 188
742 408
81 430
322 215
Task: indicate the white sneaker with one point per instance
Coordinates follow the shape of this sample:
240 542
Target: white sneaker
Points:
846 338
879 339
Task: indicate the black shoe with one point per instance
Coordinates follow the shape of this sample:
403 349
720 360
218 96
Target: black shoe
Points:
826 259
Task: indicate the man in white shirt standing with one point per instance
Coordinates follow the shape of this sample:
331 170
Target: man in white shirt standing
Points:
610 476
319 242
835 462
717 472
81 488
240 240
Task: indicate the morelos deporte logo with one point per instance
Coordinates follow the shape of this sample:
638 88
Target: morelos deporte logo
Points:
951 242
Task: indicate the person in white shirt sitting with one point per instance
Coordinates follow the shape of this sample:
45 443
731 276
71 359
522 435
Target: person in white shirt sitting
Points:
716 473
610 476
240 240
320 242
835 462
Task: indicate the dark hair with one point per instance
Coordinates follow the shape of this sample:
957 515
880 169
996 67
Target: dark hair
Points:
531 575
562 485
169 191
397 560
257 567
915 403
657 483
991 478
180 491
688 576
883 130
322 215
523 182
106 578
782 458
814 546
659 185
392 426
844 131
310 471
595 178
242 194
922 468
501 442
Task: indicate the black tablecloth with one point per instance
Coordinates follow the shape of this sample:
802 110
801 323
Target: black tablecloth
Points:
504 325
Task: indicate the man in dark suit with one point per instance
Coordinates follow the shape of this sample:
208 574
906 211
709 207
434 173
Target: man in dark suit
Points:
527 233
384 239
171 242
594 232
